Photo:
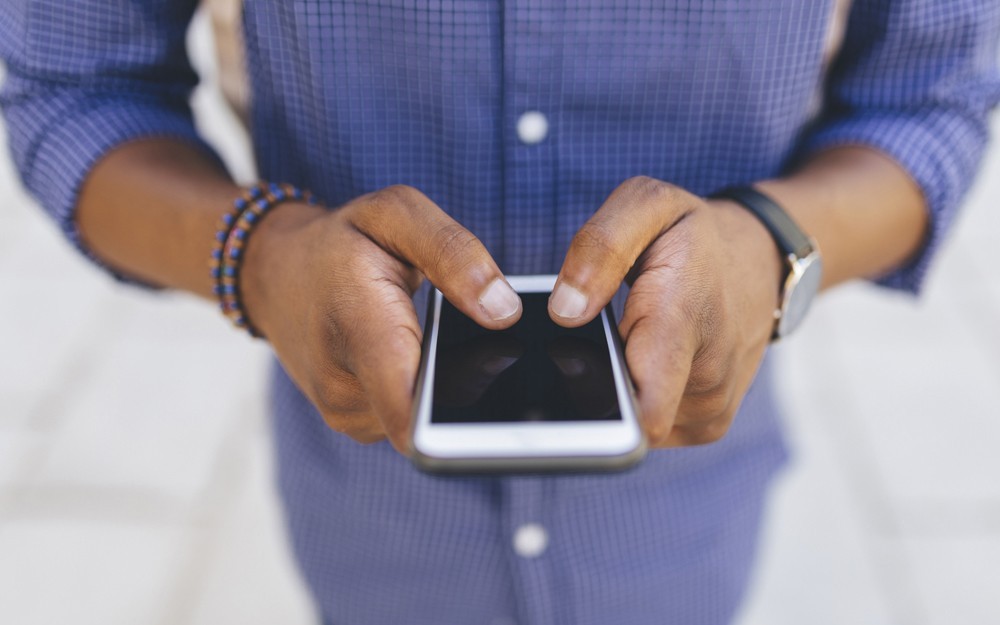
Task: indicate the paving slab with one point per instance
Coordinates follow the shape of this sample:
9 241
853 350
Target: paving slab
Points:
154 415
958 577
249 576
85 573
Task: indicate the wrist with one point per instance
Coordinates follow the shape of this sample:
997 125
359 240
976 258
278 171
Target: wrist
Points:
747 234
802 263
757 263
275 258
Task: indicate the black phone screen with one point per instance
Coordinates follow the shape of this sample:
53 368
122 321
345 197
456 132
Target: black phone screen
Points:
533 371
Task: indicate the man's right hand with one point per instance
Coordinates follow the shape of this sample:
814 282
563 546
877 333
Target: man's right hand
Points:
331 291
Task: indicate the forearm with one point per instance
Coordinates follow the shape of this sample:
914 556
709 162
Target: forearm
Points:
149 209
865 212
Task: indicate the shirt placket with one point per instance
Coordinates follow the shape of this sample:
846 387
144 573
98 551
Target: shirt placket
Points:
530 122
528 530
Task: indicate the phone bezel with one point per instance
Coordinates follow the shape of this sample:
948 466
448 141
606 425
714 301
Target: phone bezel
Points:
520 446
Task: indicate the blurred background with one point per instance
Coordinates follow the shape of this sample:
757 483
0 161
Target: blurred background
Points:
136 475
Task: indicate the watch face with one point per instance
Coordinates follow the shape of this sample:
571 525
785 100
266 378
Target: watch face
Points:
800 290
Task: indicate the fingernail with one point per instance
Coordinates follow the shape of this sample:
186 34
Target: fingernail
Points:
499 300
567 302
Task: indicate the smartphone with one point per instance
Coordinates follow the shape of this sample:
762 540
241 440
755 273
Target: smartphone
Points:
535 397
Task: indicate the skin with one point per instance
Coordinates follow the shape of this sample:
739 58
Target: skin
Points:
331 289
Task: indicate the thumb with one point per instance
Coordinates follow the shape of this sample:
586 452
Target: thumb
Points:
604 250
407 224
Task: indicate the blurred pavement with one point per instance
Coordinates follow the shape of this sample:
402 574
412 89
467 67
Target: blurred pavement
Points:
135 471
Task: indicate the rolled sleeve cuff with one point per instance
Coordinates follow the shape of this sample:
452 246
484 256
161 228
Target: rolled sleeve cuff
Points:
938 149
78 141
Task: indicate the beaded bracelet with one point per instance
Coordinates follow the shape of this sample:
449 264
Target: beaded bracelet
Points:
234 230
226 223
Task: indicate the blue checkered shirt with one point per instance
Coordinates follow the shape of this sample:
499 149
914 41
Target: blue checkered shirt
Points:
351 96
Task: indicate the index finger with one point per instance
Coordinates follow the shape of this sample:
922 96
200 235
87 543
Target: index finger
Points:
384 353
660 351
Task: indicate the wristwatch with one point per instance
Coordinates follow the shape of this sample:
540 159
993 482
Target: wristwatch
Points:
803 263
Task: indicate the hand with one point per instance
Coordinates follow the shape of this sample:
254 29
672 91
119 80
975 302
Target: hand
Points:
332 291
699 316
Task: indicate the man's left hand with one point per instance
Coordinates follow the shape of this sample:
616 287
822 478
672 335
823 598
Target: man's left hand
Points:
704 279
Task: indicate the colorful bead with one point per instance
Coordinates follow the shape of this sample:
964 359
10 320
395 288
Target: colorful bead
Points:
235 228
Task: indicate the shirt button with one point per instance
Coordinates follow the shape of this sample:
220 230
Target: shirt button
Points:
532 127
530 540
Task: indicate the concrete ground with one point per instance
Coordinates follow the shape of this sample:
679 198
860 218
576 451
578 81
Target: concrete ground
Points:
135 472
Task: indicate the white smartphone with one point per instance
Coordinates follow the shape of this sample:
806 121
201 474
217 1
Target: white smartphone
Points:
535 397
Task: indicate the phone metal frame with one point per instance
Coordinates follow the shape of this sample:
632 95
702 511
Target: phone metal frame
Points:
533 447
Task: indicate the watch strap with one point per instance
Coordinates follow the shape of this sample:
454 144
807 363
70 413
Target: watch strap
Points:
785 232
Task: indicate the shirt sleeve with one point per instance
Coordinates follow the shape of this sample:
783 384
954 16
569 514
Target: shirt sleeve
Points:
916 79
83 77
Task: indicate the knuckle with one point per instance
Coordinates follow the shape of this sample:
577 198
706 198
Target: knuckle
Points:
403 341
596 241
389 202
714 406
705 419
660 192
326 402
369 437
641 182
455 248
710 432
714 363
359 424
340 396
658 431
336 421
366 430
651 187
401 194
708 377
594 234
693 436
702 407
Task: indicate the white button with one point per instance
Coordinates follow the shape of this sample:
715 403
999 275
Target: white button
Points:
532 127
530 540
